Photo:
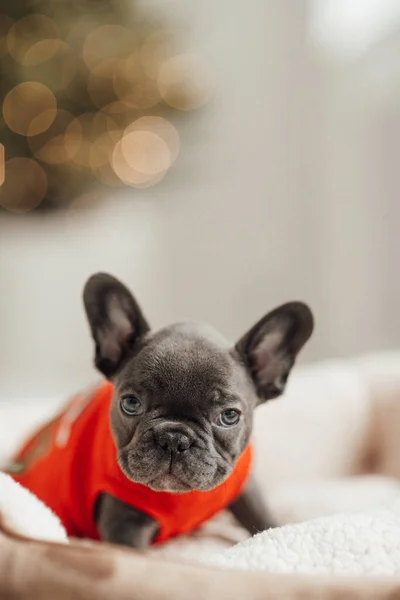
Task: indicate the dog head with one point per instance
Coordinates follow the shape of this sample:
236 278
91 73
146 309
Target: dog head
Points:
184 397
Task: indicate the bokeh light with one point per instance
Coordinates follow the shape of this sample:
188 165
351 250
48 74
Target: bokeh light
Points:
185 82
24 186
42 51
57 71
29 108
155 50
161 127
26 33
107 43
88 92
102 148
60 142
132 86
146 151
98 129
6 23
131 176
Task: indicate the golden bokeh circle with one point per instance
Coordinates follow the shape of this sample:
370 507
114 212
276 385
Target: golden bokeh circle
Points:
52 63
62 68
146 152
102 149
132 86
29 108
185 82
95 126
29 31
60 142
106 174
41 122
41 52
6 23
161 127
128 174
82 156
155 50
128 77
107 42
25 185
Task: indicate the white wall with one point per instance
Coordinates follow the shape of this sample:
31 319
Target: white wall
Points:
362 185
45 345
242 236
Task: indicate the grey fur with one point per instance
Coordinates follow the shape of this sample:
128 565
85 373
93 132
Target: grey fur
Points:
185 375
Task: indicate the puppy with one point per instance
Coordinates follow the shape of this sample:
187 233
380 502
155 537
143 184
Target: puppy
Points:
165 443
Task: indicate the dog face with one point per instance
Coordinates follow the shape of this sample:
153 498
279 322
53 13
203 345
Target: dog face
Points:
184 398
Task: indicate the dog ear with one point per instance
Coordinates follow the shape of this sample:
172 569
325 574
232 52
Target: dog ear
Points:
270 348
115 320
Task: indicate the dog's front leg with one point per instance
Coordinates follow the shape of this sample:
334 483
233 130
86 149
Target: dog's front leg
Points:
124 525
250 509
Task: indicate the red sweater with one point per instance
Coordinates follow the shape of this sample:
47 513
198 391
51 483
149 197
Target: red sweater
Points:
73 459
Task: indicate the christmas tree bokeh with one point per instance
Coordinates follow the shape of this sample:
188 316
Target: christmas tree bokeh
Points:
88 92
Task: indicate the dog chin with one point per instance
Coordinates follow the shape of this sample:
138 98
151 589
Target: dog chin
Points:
166 482
176 480
169 483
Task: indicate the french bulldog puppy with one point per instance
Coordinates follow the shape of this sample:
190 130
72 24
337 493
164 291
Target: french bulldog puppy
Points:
165 443
183 401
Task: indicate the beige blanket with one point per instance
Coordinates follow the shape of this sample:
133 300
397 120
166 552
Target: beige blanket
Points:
43 571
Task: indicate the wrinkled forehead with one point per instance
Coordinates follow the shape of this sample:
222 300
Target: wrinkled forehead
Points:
186 354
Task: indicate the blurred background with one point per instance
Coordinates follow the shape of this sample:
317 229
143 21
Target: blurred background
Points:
221 158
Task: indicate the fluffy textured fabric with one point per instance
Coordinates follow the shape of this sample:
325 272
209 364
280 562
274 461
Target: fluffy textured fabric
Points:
90 571
365 543
22 513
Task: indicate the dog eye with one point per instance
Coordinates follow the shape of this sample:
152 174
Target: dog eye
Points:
131 405
228 418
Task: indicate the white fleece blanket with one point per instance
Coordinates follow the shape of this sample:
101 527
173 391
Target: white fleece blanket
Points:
311 447
22 513
363 543
366 543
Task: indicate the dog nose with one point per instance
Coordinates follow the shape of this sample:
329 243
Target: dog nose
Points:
173 442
